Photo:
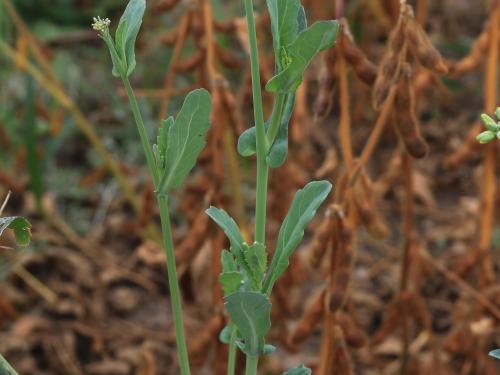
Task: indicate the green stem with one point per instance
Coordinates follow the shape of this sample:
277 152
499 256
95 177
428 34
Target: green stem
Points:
175 295
274 128
251 367
231 359
262 168
148 151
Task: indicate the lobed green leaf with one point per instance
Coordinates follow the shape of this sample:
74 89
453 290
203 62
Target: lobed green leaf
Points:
186 139
19 225
255 264
230 281
301 212
251 313
308 44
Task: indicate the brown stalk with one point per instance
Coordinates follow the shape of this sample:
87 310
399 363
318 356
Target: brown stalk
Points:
183 29
406 261
489 178
345 121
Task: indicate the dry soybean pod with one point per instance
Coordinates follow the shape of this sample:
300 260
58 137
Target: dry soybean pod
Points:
364 69
405 118
315 307
423 49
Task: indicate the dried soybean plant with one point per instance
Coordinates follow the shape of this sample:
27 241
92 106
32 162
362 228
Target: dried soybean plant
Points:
394 95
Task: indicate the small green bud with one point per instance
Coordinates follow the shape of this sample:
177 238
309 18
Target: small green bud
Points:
101 25
497 113
490 123
485 137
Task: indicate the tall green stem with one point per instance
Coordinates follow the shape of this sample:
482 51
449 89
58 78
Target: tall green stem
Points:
262 168
142 132
175 295
251 366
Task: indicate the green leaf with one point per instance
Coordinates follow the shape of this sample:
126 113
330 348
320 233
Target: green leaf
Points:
230 228
247 142
6 368
251 312
495 353
268 349
160 148
186 139
255 264
299 370
19 225
485 137
490 123
284 24
302 19
301 212
301 52
225 335
230 281
228 262
126 33
279 149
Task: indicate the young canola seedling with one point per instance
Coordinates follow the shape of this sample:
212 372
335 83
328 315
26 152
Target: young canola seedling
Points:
247 279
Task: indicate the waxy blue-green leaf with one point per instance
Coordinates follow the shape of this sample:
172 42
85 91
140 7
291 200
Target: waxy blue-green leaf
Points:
301 212
495 353
230 228
230 281
284 24
320 36
227 261
126 33
255 264
279 149
160 148
276 156
238 245
299 370
19 225
225 335
251 313
186 139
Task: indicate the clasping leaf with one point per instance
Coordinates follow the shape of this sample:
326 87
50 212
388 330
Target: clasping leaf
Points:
181 140
251 313
302 210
